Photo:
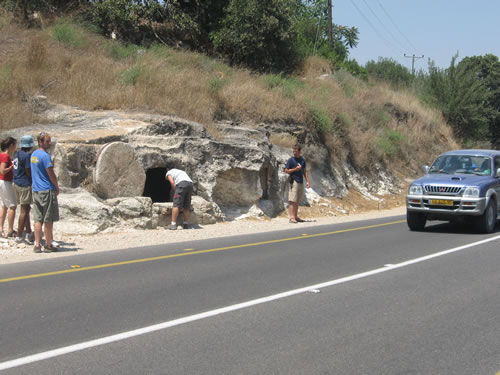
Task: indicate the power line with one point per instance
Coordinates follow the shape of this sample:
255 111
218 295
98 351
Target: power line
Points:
388 43
397 28
385 27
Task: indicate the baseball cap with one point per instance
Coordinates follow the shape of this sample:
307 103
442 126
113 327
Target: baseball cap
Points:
26 141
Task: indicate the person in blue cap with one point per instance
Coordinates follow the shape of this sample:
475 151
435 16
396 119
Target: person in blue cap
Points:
22 188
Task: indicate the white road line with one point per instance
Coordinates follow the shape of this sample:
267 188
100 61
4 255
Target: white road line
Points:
172 323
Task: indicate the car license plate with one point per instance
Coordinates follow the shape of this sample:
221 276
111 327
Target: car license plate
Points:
441 202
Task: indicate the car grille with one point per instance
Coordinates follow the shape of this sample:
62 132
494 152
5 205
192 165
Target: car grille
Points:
444 190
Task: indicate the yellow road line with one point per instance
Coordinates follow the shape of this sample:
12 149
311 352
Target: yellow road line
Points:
99 266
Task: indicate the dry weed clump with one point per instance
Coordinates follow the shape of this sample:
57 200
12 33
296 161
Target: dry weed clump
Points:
315 67
246 98
283 140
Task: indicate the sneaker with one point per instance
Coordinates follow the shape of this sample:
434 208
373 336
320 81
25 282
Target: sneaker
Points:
18 239
49 249
12 234
185 226
37 249
30 237
172 227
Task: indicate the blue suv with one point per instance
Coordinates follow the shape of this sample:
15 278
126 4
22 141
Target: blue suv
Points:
459 185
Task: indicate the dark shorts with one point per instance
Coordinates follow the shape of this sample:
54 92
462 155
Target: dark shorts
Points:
182 196
45 206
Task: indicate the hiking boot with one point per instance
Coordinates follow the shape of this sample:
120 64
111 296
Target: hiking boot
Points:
172 227
49 249
37 249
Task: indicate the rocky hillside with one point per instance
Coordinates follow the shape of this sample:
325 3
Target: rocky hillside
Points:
120 118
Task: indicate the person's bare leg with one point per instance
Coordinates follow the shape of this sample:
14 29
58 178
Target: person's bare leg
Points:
28 221
175 213
10 218
3 214
295 210
21 222
48 226
38 233
185 214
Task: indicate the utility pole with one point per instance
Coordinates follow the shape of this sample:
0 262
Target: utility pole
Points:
413 62
330 36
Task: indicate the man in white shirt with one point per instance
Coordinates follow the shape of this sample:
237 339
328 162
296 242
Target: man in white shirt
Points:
182 186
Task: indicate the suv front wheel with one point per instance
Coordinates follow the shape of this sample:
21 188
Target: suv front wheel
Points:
416 220
486 222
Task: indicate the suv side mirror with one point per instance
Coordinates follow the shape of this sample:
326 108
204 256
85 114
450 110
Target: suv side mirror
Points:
425 168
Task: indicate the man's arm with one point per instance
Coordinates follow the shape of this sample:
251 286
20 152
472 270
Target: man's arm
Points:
171 180
306 174
291 170
53 178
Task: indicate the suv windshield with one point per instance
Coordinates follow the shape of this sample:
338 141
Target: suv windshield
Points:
462 164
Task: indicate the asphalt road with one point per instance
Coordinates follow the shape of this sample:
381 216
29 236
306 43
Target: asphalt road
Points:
354 298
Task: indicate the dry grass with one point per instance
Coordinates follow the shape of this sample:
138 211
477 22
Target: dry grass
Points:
359 122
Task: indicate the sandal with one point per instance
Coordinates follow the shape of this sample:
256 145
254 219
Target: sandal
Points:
49 249
299 220
293 221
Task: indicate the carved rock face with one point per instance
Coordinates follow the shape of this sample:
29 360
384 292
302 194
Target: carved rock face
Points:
118 173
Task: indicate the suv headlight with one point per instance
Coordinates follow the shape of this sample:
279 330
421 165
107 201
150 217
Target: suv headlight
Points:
471 192
415 190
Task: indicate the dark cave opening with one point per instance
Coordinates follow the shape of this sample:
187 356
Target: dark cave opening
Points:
157 186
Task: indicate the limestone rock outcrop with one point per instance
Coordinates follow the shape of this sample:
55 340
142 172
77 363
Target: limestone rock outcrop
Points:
112 167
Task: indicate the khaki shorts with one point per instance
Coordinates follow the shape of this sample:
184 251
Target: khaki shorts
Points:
7 195
295 192
23 194
45 206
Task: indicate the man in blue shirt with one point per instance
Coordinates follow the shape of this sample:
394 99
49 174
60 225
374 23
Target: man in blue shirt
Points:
296 168
45 192
22 188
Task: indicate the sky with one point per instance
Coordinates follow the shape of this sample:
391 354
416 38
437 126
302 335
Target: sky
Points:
435 29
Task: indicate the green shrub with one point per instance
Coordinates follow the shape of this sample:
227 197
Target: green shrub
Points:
215 84
321 120
272 80
131 75
390 142
390 71
289 85
382 116
347 82
69 35
5 74
120 51
160 50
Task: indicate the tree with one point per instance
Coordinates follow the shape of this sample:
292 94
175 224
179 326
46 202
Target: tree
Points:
462 98
207 15
259 34
390 71
487 71
312 31
24 9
